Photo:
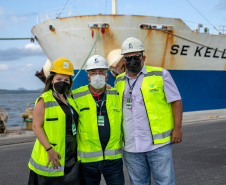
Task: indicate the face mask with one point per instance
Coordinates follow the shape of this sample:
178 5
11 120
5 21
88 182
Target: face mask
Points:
134 66
98 81
61 87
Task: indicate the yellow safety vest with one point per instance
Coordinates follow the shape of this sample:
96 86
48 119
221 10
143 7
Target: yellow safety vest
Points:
159 112
89 146
54 128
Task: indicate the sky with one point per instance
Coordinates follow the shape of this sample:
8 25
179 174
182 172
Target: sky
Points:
20 59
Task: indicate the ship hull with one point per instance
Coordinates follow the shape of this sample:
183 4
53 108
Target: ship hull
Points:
199 89
197 61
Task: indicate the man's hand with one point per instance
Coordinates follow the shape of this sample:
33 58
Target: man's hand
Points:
176 136
177 108
108 86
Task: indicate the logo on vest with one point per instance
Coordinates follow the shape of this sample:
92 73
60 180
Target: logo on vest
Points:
154 90
115 108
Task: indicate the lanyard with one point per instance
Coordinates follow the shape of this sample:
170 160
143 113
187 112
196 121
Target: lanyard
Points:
102 103
131 87
72 112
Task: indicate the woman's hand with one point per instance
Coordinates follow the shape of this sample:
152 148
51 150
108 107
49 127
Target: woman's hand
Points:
53 157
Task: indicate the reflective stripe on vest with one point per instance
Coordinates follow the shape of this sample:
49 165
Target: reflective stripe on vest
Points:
51 104
80 94
114 92
113 152
152 73
44 169
162 135
99 153
90 154
120 79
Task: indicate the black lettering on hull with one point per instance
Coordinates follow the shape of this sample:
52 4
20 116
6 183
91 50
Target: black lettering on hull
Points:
198 50
174 49
207 52
184 49
214 55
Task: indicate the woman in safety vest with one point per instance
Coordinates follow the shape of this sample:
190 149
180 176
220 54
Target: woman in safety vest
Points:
55 118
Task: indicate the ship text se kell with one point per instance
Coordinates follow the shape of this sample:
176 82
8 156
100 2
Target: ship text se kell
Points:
200 51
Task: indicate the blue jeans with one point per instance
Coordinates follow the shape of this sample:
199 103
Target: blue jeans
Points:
112 171
157 162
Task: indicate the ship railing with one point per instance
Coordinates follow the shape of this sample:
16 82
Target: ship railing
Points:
206 28
57 13
221 30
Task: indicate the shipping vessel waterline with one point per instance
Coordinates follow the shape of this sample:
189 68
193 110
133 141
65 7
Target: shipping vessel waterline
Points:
195 59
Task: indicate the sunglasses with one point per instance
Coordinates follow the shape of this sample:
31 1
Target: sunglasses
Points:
135 57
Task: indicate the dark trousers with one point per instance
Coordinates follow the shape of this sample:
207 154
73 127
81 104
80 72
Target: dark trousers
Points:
112 171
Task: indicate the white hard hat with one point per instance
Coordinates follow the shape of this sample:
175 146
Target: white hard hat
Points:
96 62
47 67
131 45
114 57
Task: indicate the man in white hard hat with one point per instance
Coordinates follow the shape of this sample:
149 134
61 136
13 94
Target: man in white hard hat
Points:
152 116
99 127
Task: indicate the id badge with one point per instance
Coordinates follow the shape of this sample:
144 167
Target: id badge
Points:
129 103
74 131
100 120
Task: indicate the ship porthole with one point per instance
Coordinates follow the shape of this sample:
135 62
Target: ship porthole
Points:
51 27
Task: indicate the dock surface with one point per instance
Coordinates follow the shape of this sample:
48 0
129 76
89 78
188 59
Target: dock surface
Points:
200 159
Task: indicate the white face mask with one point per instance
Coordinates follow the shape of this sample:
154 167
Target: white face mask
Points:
98 81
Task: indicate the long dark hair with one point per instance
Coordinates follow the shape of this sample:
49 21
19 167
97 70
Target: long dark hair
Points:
49 85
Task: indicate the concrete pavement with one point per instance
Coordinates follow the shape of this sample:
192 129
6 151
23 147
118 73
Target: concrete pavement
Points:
209 115
198 160
16 135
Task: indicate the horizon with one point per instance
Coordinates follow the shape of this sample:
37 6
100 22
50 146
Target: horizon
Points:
21 89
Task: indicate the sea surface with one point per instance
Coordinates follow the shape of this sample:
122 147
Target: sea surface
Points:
16 103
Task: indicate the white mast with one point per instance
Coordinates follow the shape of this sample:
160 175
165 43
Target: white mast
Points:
114 7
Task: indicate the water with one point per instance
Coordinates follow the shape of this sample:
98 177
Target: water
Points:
16 103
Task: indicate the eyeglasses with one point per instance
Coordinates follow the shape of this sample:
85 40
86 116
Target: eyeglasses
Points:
101 73
135 57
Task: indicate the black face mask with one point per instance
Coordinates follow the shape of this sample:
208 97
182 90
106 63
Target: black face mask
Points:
134 66
61 87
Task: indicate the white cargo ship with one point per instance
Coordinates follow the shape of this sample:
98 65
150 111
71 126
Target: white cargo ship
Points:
196 59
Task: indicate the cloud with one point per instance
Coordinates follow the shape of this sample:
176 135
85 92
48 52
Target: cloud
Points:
28 67
221 5
18 53
4 67
32 47
20 18
16 19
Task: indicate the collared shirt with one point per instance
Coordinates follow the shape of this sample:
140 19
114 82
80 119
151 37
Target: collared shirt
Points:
136 127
